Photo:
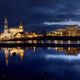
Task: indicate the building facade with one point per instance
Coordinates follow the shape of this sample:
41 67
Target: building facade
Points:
10 32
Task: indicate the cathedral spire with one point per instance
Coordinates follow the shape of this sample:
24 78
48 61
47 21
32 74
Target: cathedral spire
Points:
20 25
5 25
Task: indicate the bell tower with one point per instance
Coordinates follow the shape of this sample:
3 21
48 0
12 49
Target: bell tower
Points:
21 27
6 25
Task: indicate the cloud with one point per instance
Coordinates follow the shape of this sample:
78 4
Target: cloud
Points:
63 23
42 10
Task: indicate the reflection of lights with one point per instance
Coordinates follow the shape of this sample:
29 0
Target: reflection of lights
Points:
69 42
78 42
56 48
6 51
18 51
55 41
34 48
21 54
18 41
49 48
13 52
30 36
29 41
59 48
61 42
68 50
34 41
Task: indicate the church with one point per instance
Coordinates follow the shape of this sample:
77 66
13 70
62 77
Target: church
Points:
10 32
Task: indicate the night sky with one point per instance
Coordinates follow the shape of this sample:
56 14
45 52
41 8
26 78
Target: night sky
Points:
39 11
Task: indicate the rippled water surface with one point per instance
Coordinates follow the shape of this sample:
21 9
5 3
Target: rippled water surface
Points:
42 63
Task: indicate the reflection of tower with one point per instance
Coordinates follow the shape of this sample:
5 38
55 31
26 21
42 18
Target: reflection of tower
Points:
34 48
21 53
5 25
6 51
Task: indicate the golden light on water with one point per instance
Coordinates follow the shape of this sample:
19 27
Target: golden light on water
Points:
13 52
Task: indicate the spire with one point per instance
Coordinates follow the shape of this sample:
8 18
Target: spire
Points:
5 25
20 25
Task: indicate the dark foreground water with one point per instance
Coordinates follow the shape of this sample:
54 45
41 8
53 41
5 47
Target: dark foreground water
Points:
39 64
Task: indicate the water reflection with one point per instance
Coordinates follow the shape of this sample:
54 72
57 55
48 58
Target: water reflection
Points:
44 41
63 42
13 52
67 50
39 62
19 51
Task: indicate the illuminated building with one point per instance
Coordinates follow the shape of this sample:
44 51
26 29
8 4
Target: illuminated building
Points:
60 32
20 35
10 32
15 32
31 35
52 33
70 30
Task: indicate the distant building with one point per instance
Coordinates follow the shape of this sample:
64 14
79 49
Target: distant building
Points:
70 30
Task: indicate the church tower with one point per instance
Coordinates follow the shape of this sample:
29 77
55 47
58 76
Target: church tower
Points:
6 25
21 27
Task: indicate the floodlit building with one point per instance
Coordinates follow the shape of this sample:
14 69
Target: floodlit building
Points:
60 32
10 32
70 30
15 32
